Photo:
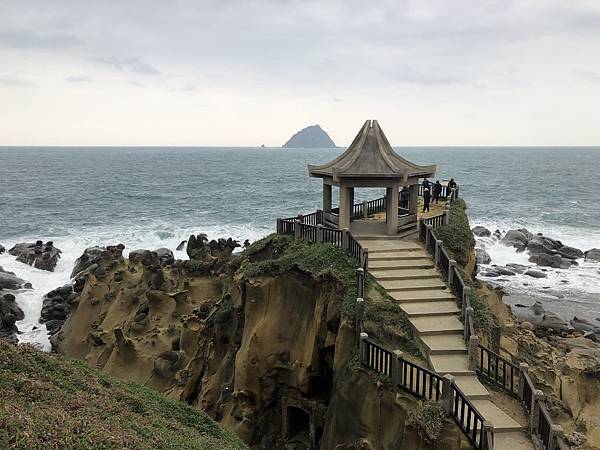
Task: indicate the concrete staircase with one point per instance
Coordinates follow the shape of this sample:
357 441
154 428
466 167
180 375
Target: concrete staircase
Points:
404 268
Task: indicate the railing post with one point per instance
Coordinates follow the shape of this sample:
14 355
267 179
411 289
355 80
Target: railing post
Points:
297 230
360 282
446 214
319 217
438 249
473 353
452 195
319 233
463 306
469 314
427 237
451 267
361 347
523 369
447 399
536 398
345 240
488 429
301 218
366 209
397 368
360 303
279 226
556 434
364 258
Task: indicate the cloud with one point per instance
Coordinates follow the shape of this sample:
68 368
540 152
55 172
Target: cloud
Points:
79 79
30 40
16 82
592 77
133 65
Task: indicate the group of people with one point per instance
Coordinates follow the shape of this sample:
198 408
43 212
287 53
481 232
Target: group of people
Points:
433 191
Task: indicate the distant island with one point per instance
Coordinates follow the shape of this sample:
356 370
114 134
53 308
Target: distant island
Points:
310 137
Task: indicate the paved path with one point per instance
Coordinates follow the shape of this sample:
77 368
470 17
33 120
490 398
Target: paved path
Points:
406 271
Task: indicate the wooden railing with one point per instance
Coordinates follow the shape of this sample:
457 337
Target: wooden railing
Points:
446 191
477 430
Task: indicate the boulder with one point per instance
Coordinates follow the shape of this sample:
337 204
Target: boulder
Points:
10 313
181 246
535 274
585 325
165 256
517 239
593 254
56 307
481 231
539 317
8 280
482 256
145 257
89 257
39 255
2 249
199 248
545 260
517 268
570 252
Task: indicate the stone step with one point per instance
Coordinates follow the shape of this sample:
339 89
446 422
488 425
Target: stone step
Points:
416 263
400 255
452 364
378 246
403 274
512 440
430 308
430 325
423 295
412 285
444 344
501 421
471 387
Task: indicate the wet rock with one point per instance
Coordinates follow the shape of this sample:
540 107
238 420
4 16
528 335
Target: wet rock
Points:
585 325
199 248
90 256
542 244
39 255
181 246
145 257
2 249
517 268
8 280
540 318
165 256
535 274
593 254
517 239
9 314
482 256
570 252
546 260
56 307
481 231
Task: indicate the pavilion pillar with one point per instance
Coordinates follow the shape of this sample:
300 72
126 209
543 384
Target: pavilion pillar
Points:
327 188
391 214
351 200
344 214
413 198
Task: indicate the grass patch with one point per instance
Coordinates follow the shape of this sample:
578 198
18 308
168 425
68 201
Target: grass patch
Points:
456 235
50 402
428 419
277 255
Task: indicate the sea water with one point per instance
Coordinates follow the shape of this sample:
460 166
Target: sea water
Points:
157 196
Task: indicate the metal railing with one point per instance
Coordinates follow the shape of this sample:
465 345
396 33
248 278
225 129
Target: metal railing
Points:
477 430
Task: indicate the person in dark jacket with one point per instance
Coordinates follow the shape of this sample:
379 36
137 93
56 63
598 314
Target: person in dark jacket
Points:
426 200
437 191
452 184
426 184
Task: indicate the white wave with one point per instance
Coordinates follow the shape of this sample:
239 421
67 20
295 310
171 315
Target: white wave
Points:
152 236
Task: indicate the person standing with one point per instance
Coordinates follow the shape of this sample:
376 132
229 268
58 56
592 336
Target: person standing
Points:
426 185
452 184
426 200
437 191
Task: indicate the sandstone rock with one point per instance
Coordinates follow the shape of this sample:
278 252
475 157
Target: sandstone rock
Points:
39 255
593 254
570 252
482 256
9 314
165 256
481 231
90 256
145 257
8 280
585 325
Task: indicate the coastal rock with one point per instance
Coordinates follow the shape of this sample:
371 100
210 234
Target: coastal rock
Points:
481 231
593 254
2 249
585 325
181 246
199 248
165 256
482 256
545 260
539 317
517 239
8 280
570 252
39 255
56 307
93 255
9 314
310 137
517 268
535 274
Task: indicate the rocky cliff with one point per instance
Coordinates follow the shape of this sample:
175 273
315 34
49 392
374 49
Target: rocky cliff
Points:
263 342
310 137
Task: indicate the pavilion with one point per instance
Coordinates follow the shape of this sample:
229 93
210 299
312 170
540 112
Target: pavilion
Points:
370 161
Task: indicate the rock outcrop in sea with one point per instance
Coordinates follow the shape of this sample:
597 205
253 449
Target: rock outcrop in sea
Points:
10 312
310 137
39 255
9 281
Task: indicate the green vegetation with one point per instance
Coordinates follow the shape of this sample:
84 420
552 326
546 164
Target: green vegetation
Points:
276 255
428 419
50 402
456 235
483 318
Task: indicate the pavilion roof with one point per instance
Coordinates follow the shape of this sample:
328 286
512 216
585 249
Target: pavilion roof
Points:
371 156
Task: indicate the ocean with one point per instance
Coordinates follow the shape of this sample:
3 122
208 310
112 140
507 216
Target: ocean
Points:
150 197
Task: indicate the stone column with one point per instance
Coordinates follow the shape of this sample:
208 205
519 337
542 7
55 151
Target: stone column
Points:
326 197
392 210
413 198
351 200
344 221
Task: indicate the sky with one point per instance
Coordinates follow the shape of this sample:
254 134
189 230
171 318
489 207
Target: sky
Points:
252 72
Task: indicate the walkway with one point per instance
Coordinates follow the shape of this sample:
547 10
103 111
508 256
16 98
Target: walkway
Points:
406 271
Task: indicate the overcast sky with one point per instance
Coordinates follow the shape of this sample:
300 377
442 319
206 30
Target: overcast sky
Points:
233 72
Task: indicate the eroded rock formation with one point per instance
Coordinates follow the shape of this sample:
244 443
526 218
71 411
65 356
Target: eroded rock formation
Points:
39 255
